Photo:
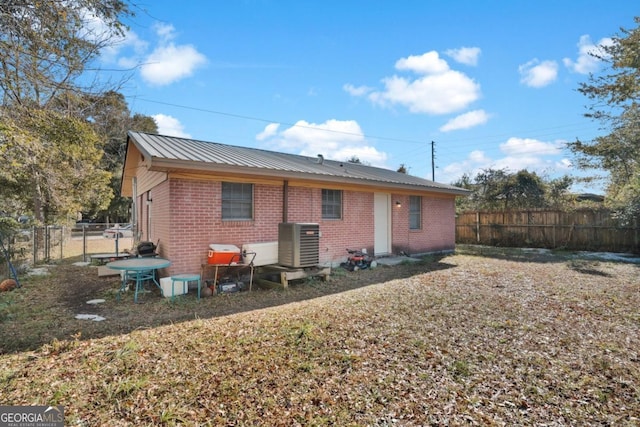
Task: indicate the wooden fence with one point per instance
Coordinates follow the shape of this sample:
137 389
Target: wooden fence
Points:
584 229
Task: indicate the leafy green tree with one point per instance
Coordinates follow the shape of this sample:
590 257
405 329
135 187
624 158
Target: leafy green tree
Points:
558 194
490 188
55 162
46 49
524 189
614 95
465 203
498 189
112 119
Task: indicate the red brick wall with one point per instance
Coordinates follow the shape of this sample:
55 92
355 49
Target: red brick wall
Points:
193 220
196 221
191 212
139 216
400 239
160 221
439 221
437 231
354 230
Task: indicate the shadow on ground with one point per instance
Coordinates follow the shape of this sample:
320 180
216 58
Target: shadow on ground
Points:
45 308
541 255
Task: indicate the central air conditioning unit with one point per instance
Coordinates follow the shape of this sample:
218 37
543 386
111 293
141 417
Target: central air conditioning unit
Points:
298 244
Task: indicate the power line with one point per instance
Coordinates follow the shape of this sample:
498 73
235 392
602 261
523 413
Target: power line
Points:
490 142
471 141
257 119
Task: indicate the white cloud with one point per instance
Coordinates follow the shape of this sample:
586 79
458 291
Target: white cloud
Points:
427 63
565 164
170 63
586 63
129 40
110 54
516 163
526 146
474 163
356 91
465 55
466 121
334 139
538 74
433 94
478 156
270 130
536 156
437 89
96 30
166 32
168 125
167 63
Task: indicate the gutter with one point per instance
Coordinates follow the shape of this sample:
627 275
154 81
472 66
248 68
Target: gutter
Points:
171 165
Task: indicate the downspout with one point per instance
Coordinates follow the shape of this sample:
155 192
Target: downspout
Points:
134 209
285 202
149 201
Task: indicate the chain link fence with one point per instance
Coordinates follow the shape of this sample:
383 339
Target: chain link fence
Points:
35 246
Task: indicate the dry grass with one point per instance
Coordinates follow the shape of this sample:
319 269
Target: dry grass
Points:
74 246
474 341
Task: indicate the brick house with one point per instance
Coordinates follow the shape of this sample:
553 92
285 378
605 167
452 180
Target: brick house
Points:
188 194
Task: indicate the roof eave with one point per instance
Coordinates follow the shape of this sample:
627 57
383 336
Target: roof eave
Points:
168 165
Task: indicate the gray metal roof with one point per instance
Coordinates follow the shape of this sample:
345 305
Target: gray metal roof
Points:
205 155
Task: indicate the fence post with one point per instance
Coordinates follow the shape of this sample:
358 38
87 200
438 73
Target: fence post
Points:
35 244
478 226
84 244
47 243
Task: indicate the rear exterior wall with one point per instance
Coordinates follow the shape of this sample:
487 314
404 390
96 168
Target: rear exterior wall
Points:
187 218
353 230
437 226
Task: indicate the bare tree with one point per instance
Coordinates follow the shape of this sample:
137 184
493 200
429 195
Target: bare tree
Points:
46 46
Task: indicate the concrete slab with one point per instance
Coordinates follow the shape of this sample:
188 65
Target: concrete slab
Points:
104 271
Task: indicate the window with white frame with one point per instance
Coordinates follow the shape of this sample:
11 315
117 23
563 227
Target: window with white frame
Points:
331 204
237 201
415 212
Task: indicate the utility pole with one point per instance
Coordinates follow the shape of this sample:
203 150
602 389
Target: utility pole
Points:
433 161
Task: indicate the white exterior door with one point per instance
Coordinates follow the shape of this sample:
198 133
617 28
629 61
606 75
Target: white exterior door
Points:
382 223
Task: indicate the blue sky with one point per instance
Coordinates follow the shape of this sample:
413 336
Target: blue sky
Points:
492 83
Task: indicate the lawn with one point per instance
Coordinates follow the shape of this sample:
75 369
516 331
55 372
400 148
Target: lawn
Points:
509 338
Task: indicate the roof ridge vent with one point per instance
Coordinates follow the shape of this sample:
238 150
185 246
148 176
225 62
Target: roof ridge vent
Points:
320 159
